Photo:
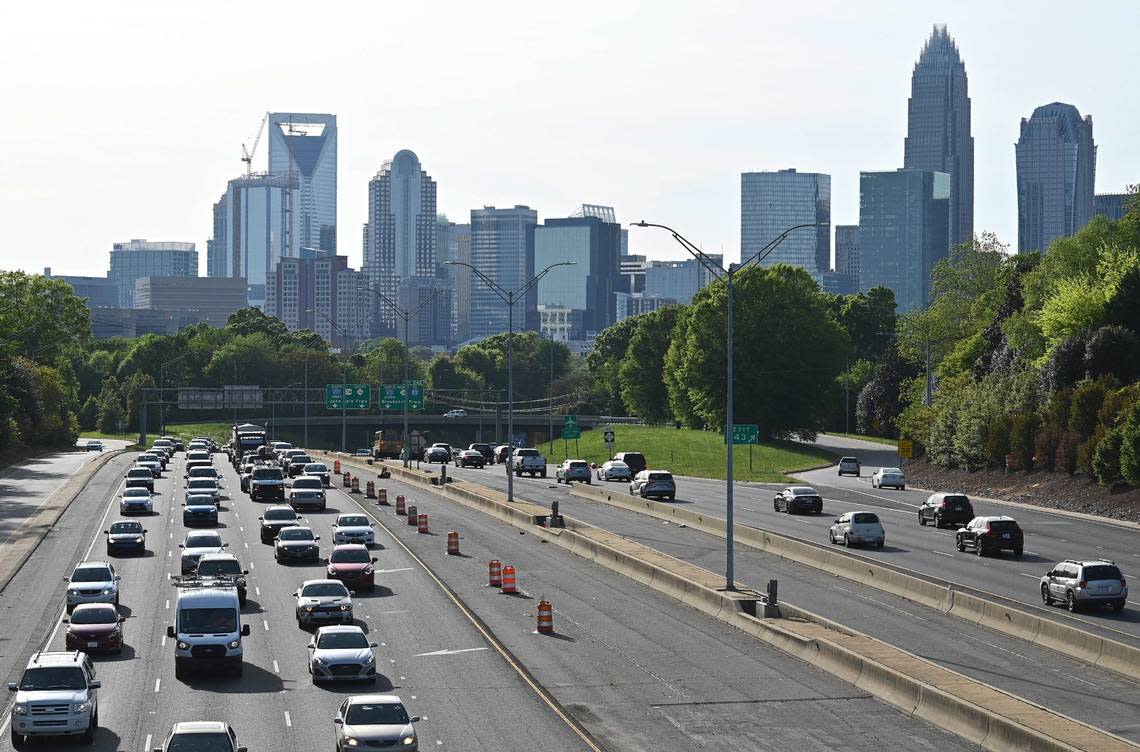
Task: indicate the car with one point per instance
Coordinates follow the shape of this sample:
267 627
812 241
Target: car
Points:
307 492
280 448
136 500
140 477
858 528
318 470
375 721
266 482
275 518
288 455
849 466
946 509
572 470
94 626
199 509
634 460
455 414
351 563
225 567
990 535
362 453
246 472
204 487
650 484
470 458
528 460
501 452
614 470
92 582
151 461
203 472
798 499
296 544
196 452
1080 584
57 695
297 464
93 446
322 602
353 528
179 445
196 545
200 736
437 454
888 476
125 535
164 453
486 450
343 653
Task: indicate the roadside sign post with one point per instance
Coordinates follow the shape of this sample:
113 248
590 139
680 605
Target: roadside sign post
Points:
570 427
905 450
609 439
745 433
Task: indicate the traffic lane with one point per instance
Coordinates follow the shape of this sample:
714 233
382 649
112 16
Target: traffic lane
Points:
1039 675
639 669
412 621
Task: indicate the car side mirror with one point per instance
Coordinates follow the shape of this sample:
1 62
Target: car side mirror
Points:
144 531
373 559
106 532
65 620
12 686
336 721
242 749
415 719
245 571
245 630
373 645
225 545
122 619
316 537
170 632
118 577
181 545
261 518
95 685
157 749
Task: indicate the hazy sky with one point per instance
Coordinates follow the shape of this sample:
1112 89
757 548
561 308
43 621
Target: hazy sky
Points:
125 119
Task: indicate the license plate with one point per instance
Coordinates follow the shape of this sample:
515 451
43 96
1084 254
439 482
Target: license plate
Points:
92 644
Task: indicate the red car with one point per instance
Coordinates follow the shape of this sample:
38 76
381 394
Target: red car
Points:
95 626
351 563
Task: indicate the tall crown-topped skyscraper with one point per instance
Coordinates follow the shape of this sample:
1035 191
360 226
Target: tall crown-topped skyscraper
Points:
938 127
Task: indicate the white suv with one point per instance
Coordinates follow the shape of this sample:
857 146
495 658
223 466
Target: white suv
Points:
1095 582
56 696
93 582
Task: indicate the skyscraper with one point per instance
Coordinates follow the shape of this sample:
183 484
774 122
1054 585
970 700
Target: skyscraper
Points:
400 235
587 288
1056 171
453 243
144 258
303 146
771 202
322 283
250 231
502 247
938 127
847 252
1111 205
904 229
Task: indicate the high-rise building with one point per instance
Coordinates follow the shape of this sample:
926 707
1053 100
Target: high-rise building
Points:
144 258
771 202
594 246
632 269
432 324
302 147
97 292
938 127
904 229
214 298
450 238
401 228
1056 172
847 252
637 303
316 291
502 248
1111 205
678 281
250 224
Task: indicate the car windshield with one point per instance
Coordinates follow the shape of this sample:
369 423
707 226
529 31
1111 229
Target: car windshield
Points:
139 472
891 471
140 492
342 641
316 467
660 476
350 556
207 620
202 483
53 677
579 465
204 540
300 459
295 533
199 500
301 483
220 566
280 514
319 589
848 459
91 574
203 472
376 714
352 521
266 473
126 527
212 742
803 491
865 518
526 453
1103 572
95 615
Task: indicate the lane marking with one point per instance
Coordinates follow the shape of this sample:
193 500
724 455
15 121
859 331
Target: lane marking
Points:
163 643
389 571
288 720
1031 576
276 668
445 651
265 624
256 589
146 744
942 553
157 685
167 604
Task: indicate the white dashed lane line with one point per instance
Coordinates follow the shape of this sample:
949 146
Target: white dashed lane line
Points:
276 668
146 744
157 685
265 624
942 553
288 720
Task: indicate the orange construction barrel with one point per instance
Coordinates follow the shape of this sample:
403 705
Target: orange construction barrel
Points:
336 467
509 584
545 617
412 516
495 573
382 496
453 543
400 505
422 523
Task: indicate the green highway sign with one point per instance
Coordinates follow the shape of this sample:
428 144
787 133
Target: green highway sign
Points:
744 433
570 427
416 395
348 396
392 396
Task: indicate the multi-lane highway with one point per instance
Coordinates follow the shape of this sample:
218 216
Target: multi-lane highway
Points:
635 670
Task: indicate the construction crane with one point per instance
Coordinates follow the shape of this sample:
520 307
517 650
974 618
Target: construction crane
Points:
247 154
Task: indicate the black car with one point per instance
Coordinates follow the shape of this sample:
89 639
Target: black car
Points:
945 509
635 460
296 544
803 499
486 450
140 477
266 483
297 464
276 518
989 535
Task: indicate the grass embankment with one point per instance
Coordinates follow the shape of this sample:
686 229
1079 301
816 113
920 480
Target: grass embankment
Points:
695 453
861 437
219 432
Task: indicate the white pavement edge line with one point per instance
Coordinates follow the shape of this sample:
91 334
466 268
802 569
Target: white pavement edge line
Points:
543 694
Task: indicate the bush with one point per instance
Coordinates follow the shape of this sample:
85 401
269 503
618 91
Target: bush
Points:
1065 366
1021 436
1086 452
997 442
1106 459
1130 447
1057 411
1068 451
1045 446
1113 350
1086 402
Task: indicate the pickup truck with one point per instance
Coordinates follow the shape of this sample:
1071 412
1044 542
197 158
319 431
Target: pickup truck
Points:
529 461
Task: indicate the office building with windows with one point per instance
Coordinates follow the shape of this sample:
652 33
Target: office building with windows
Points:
302 148
431 324
502 248
250 231
97 292
1056 174
593 245
452 241
144 258
678 281
904 230
214 298
847 252
315 292
772 202
1112 205
636 303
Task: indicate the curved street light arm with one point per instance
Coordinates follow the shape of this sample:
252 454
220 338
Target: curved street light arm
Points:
534 280
695 252
761 254
503 295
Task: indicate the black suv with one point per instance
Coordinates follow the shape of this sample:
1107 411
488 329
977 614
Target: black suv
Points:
635 460
486 450
945 509
297 464
989 535
266 483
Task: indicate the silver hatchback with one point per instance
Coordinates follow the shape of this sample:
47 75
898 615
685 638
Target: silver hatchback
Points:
653 483
1077 584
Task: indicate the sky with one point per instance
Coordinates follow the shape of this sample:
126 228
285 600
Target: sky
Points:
125 119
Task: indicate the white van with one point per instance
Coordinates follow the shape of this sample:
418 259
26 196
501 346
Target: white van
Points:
207 627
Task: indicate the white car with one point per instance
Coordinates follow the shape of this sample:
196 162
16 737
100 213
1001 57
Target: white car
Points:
858 528
455 414
615 470
375 721
888 476
341 652
204 487
197 544
353 528
93 582
150 462
323 601
136 500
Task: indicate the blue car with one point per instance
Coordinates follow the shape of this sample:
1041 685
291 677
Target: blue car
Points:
199 510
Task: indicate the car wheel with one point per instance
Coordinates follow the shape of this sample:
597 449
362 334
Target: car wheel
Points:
831 537
1017 552
902 487
1046 596
775 507
1118 606
880 544
588 483
938 521
921 519
960 545
979 549
846 541
1071 602
17 739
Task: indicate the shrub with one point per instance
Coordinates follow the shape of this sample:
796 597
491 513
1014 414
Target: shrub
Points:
1086 453
997 442
1086 402
1057 411
1113 350
1067 454
1130 447
1045 445
1021 437
1106 459
1065 365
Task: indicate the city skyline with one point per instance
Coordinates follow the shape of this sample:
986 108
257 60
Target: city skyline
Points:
683 111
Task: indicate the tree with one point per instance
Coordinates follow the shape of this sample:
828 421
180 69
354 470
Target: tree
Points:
41 318
250 320
868 318
89 414
1076 305
1065 366
643 390
676 386
1113 350
1124 306
880 402
605 360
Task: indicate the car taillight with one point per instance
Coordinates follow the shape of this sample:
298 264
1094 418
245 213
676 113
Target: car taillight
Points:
942 504
1123 582
1083 584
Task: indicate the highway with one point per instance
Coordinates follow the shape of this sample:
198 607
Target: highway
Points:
637 670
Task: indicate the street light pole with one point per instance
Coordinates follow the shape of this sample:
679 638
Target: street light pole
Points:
728 275
510 297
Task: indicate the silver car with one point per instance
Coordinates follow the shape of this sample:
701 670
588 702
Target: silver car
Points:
93 582
375 721
323 601
204 487
858 528
136 500
307 492
653 483
353 528
1077 584
615 470
573 470
341 653
888 476
195 544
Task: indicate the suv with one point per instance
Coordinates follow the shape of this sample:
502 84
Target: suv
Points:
653 483
266 483
946 509
1096 582
989 535
56 696
307 492
297 464
848 466
573 470
486 450
635 460
93 582
529 461
140 477
200 736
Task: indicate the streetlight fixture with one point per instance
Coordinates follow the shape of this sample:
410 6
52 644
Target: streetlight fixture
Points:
344 376
727 275
161 396
510 297
406 316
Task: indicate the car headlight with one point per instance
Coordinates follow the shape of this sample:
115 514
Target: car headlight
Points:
351 741
233 644
80 707
309 609
183 646
108 591
115 632
346 607
320 660
139 539
409 739
369 659
20 709
72 591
